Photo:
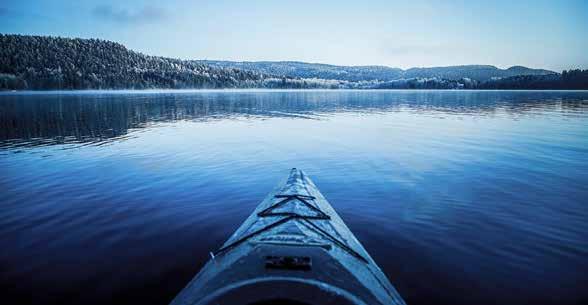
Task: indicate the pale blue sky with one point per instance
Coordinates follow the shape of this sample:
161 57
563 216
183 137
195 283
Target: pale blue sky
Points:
541 34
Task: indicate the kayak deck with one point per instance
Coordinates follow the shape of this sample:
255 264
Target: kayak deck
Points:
293 247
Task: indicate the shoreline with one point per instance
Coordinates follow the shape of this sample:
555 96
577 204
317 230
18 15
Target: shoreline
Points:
228 90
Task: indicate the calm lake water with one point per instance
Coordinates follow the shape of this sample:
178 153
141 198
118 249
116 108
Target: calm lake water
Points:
462 197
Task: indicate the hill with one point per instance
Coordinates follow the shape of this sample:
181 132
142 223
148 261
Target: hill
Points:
49 63
476 72
312 70
41 62
371 73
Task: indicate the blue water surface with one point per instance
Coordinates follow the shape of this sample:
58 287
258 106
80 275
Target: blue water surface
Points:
462 197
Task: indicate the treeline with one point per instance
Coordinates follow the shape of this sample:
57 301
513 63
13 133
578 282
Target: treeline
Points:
39 62
428 83
567 80
53 63
312 70
375 73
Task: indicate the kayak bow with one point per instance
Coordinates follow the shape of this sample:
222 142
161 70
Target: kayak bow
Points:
293 249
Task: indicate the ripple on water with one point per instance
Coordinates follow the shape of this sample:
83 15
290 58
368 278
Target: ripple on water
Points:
449 191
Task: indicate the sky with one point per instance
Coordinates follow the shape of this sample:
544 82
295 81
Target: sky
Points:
417 33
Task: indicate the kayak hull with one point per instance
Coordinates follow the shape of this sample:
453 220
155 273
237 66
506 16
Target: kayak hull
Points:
294 247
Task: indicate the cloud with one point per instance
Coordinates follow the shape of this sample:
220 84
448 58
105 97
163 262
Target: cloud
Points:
143 15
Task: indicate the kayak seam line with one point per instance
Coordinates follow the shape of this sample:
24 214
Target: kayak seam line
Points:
294 214
289 198
338 242
270 226
248 236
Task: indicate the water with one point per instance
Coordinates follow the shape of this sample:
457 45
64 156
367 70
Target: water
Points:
462 197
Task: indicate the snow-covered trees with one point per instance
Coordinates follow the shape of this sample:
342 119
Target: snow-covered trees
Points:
40 62
36 62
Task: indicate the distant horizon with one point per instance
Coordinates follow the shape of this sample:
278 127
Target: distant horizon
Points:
539 34
296 61
376 65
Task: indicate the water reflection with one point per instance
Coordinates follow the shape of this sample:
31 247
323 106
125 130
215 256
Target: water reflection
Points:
449 191
29 120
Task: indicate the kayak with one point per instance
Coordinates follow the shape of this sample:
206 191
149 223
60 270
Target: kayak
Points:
293 249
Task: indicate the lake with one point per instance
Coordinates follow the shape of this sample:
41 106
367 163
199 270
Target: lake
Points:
461 197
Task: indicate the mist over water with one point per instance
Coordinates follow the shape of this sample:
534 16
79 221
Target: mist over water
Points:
461 197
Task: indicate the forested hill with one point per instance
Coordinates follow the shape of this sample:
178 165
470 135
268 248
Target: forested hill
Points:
40 62
312 70
479 73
